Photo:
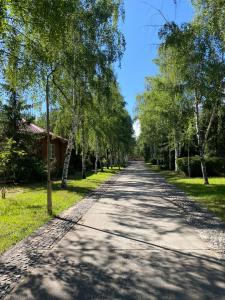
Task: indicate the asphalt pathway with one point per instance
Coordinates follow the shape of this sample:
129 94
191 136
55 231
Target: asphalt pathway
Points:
131 244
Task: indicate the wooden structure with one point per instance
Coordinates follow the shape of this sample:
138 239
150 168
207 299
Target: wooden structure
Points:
58 145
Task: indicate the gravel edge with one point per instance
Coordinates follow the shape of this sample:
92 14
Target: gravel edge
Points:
209 226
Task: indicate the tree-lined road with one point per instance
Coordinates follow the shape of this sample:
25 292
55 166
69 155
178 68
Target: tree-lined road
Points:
132 244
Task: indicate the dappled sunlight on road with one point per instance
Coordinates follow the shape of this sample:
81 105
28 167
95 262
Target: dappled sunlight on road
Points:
132 244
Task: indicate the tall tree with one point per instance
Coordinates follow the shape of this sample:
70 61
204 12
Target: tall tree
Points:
201 62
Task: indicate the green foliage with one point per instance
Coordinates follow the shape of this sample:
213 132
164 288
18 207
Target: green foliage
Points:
182 109
215 166
9 157
17 144
74 44
18 165
30 169
211 14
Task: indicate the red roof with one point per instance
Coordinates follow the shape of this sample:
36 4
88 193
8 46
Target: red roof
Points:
36 129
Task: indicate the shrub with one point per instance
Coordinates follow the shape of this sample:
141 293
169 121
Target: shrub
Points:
30 169
9 156
214 165
153 161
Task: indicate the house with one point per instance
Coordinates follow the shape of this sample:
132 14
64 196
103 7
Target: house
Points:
58 145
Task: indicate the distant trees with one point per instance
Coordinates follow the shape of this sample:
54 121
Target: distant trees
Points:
192 68
103 131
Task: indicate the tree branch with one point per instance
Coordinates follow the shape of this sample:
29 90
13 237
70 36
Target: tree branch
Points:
60 89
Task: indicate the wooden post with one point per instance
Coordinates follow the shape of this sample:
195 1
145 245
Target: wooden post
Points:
49 184
3 191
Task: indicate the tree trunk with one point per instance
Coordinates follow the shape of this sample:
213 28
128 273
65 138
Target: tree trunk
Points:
189 168
101 165
69 149
176 148
170 160
96 163
111 160
118 161
83 164
179 149
96 157
176 157
204 172
201 144
107 159
83 150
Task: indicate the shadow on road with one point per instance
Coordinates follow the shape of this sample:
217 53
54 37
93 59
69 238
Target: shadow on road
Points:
94 266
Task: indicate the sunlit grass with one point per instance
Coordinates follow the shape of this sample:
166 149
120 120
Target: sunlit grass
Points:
24 209
211 196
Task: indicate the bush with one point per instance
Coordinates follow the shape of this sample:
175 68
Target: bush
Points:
31 169
89 165
214 165
9 156
153 161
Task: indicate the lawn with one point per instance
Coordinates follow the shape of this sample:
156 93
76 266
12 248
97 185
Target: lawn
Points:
24 209
211 196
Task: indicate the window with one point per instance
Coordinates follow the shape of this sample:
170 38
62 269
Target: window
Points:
52 151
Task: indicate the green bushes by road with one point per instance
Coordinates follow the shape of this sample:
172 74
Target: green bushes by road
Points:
215 166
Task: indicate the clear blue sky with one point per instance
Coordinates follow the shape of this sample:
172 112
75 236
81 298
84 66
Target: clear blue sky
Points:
140 37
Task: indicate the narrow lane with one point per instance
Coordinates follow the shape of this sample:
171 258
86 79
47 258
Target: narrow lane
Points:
132 244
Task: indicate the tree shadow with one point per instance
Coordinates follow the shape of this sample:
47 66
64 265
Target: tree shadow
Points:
127 255
82 271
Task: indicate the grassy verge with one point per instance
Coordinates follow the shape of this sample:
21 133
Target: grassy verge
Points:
211 196
24 209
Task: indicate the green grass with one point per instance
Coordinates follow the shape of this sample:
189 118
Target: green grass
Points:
211 196
24 209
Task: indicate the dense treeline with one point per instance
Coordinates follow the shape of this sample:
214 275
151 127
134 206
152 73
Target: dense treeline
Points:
103 135
62 53
182 110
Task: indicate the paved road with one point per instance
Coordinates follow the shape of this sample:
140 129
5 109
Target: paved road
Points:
132 244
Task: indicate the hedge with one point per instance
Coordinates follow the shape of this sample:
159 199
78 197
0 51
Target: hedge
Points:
215 166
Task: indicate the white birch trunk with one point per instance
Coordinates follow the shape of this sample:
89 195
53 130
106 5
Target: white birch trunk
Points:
69 149
176 148
201 144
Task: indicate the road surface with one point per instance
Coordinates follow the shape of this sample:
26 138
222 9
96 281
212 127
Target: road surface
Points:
132 244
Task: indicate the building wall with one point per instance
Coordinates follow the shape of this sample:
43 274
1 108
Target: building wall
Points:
59 150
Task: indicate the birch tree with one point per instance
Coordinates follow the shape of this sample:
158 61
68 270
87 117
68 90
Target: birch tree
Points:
201 62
